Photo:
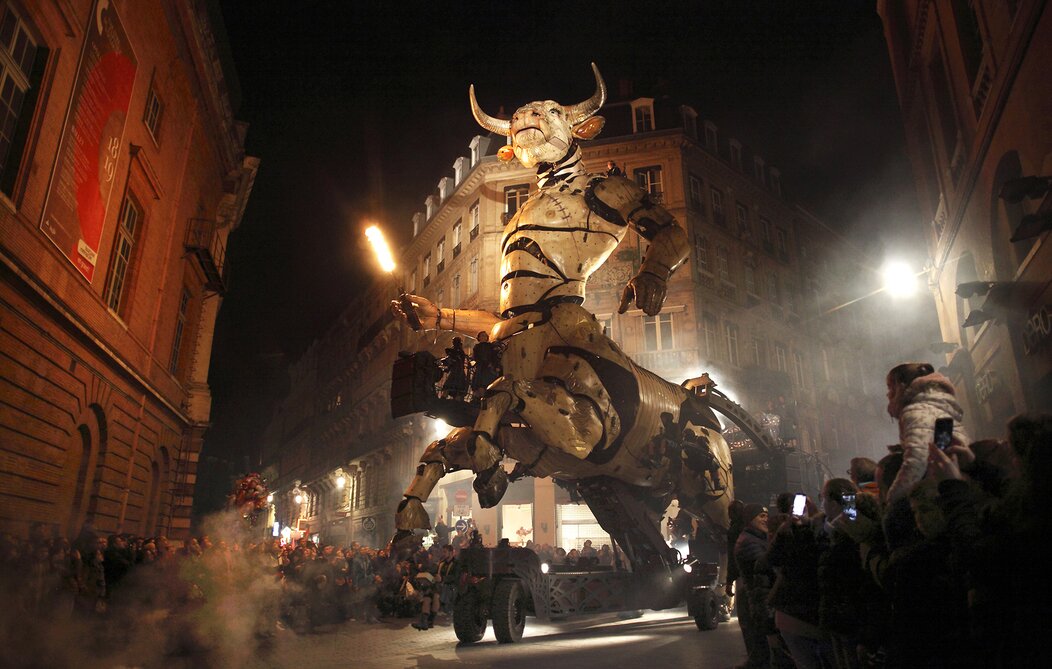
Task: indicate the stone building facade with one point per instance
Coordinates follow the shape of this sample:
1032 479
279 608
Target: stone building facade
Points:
976 100
122 173
749 308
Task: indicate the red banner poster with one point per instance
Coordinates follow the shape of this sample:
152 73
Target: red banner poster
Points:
85 167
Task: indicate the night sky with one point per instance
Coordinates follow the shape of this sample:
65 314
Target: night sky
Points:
356 109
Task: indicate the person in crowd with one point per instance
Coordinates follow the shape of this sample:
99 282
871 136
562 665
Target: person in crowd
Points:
750 553
454 364
863 473
794 555
917 397
737 524
485 358
427 590
446 575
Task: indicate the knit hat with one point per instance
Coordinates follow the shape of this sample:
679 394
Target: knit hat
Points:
753 510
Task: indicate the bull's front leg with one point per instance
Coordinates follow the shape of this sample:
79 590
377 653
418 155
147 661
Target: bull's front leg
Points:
491 481
439 458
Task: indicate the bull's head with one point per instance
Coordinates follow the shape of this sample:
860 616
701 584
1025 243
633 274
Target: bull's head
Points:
542 132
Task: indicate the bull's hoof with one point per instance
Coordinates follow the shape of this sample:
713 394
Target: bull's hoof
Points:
411 515
403 545
491 485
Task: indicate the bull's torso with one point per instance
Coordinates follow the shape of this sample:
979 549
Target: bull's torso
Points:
552 245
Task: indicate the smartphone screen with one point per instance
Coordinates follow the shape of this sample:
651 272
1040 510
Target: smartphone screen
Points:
850 510
943 433
799 505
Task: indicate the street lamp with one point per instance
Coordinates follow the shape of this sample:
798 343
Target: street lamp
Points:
899 279
340 482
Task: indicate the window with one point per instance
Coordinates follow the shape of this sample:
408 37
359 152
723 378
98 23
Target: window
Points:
772 287
723 265
765 235
708 336
759 352
750 279
152 116
701 243
657 332
514 197
717 208
697 197
427 270
180 328
412 281
758 171
21 68
711 138
798 369
473 276
608 324
473 216
743 218
441 264
790 297
690 121
731 333
649 179
476 152
736 155
782 243
643 115
780 362
129 221
456 292
969 36
456 238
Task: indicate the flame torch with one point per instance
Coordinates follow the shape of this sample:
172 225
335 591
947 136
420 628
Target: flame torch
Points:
387 264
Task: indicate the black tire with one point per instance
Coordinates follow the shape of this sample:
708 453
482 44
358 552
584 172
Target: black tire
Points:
707 616
469 620
509 611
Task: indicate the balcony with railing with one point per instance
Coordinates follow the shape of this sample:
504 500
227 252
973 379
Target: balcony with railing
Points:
670 364
205 244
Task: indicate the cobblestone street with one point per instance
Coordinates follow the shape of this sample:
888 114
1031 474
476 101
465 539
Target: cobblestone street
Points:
666 638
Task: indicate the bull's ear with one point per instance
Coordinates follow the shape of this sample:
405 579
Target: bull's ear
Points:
590 128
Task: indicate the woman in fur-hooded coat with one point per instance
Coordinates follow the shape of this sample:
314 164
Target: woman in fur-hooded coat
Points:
917 397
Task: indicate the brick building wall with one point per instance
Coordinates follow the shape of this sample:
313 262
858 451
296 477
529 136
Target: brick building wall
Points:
104 400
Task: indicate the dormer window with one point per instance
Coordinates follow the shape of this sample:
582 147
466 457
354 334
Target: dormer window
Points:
476 152
690 121
445 188
758 170
712 139
429 206
458 170
643 115
736 154
776 181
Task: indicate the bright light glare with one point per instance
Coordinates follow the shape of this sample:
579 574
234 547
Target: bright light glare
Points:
270 498
899 279
687 568
380 248
441 427
298 499
340 481
544 567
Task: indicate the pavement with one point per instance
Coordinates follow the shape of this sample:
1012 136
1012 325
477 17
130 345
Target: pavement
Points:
664 638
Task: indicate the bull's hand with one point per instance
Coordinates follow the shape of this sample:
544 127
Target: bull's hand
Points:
647 290
426 310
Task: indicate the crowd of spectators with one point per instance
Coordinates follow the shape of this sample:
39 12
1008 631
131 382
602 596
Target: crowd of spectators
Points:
928 558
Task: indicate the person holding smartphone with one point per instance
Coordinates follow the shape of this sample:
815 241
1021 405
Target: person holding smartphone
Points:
917 397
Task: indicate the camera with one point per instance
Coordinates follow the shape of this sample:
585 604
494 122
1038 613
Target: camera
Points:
943 433
850 508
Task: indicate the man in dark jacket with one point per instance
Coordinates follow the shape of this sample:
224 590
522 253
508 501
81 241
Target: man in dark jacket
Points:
750 553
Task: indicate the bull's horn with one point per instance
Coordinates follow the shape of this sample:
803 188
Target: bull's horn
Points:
583 110
496 125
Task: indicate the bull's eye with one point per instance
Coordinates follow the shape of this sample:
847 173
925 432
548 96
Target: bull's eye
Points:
553 111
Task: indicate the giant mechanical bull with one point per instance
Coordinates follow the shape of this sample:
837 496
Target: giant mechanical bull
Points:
591 411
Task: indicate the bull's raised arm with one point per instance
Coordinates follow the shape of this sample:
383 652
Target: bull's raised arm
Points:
434 317
622 201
